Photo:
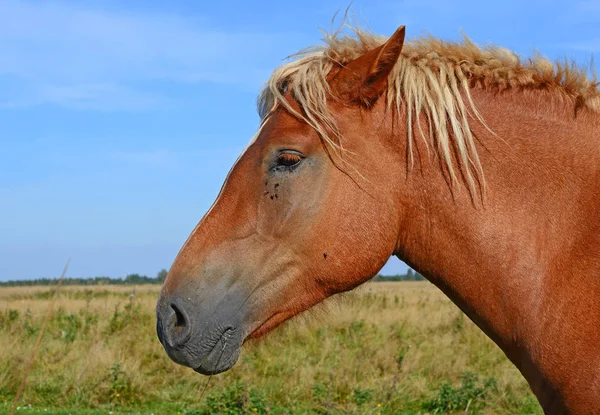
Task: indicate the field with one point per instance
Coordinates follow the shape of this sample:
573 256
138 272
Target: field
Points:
386 348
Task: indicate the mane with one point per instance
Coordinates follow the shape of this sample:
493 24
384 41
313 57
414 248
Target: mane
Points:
428 80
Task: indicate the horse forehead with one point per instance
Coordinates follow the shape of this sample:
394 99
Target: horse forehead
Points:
284 128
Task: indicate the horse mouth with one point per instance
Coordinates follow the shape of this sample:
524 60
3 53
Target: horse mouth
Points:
219 357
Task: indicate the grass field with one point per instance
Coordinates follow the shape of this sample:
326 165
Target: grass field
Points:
387 348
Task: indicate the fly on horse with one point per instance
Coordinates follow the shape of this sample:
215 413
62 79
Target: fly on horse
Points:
477 168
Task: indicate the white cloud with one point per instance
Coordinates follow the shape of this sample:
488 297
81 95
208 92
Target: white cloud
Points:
85 58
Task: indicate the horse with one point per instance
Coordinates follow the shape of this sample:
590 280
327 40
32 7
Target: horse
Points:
478 168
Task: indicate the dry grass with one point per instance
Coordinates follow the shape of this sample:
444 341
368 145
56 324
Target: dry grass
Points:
387 348
38 341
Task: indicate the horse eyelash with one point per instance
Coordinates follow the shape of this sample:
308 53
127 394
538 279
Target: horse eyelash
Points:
287 157
290 157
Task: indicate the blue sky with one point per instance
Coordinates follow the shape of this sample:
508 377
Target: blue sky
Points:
118 123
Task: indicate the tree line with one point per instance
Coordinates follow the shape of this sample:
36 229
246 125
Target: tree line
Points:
411 275
131 279
137 279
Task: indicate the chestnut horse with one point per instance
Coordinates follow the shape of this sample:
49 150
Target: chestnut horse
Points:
479 170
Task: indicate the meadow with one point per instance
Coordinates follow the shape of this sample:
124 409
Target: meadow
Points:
385 348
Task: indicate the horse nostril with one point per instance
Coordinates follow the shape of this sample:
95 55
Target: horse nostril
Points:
178 326
180 321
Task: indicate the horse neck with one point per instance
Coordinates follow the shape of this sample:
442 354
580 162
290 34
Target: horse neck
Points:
508 264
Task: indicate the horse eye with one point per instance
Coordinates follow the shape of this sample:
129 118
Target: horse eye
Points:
288 159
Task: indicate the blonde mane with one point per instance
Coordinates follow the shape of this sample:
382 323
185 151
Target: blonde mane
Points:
428 80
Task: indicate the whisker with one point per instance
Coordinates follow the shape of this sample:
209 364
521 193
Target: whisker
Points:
217 365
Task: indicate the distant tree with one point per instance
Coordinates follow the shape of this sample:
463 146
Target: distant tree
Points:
129 279
162 274
136 279
411 275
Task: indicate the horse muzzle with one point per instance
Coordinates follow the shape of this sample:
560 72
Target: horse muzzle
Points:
207 339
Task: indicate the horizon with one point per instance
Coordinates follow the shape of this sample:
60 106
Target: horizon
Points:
409 272
120 122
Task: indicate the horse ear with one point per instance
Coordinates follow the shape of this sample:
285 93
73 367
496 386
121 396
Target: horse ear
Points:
364 79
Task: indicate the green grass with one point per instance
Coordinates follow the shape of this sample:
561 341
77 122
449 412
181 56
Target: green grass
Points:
390 348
